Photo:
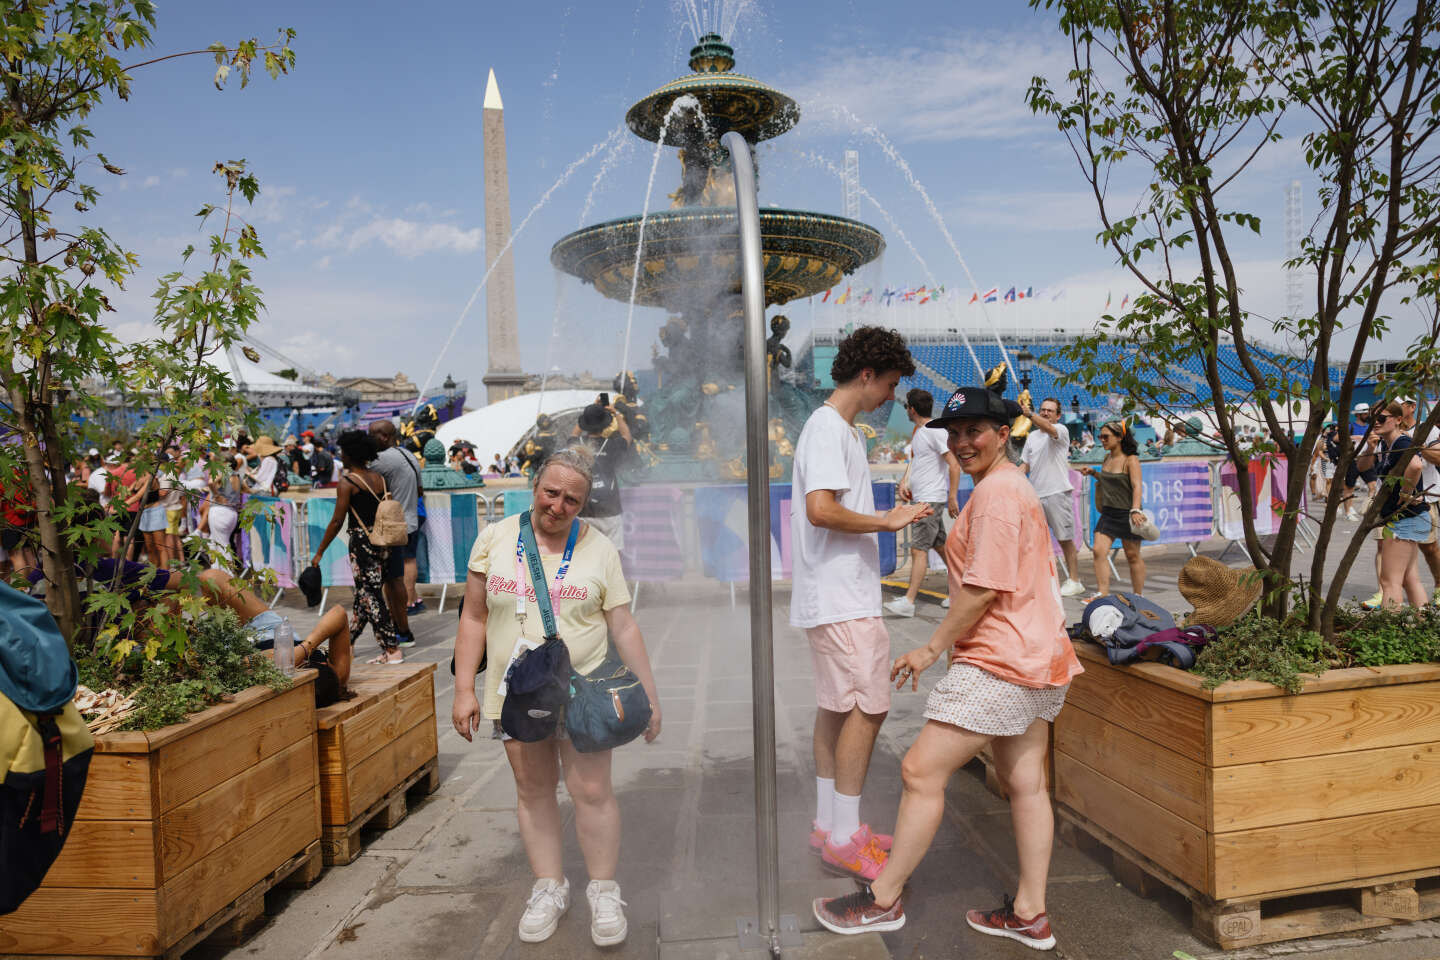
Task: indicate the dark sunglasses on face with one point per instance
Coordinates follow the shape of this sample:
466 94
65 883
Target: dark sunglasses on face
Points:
1379 418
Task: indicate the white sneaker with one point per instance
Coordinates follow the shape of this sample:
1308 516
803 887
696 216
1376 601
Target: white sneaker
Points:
547 904
607 920
901 607
1352 516
945 604
1072 588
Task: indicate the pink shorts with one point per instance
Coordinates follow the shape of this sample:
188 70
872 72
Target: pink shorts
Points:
852 665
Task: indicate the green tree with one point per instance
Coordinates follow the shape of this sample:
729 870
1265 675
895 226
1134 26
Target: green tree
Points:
61 59
1172 102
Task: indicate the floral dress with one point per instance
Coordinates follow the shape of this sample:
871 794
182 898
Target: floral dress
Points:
367 562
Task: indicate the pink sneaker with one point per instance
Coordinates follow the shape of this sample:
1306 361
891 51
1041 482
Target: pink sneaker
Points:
818 838
862 857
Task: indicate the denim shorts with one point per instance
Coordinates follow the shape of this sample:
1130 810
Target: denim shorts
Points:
1414 529
262 629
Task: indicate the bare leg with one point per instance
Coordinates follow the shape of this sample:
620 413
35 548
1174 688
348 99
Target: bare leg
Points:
1137 565
1102 562
919 561
1072 558
1394 559
1020 763
853 749
827 735
412 572
537 772
1431 553
245 604
1414 589
334 627
938 752
597 813
395 599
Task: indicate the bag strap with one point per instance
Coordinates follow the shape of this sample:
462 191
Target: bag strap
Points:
537 571
354 479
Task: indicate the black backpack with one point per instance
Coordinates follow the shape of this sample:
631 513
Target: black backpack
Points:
45 747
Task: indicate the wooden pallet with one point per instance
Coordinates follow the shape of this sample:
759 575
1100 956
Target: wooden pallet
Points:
341 844
1293 914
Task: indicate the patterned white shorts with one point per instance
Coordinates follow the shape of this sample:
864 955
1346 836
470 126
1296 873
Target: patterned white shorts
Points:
979 701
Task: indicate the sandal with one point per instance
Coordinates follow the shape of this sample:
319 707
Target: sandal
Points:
388 656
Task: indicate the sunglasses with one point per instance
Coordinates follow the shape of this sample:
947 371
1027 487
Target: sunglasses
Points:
1380 418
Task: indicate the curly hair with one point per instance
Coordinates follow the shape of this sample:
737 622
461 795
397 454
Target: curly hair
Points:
872 348
358 446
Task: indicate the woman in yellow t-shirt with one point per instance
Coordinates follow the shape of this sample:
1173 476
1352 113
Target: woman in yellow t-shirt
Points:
591 605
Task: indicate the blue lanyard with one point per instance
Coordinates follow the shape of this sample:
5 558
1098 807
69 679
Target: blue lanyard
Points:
526 552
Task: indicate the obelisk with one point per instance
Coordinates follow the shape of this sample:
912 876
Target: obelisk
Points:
503 376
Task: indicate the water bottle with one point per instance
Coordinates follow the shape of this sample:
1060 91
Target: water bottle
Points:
285 648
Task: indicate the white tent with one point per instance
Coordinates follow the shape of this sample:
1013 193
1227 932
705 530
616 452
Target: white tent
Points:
499 426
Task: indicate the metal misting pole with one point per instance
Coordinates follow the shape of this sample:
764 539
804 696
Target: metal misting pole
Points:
770 931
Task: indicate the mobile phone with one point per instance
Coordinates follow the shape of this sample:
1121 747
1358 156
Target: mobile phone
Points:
604 399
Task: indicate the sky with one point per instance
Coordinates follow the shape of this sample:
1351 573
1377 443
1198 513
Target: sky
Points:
369 158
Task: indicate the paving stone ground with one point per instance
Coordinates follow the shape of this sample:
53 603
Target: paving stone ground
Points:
451 880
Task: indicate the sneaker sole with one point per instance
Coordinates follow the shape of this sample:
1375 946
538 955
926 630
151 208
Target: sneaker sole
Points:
881 926
603 941
1047 944
545 934
841 871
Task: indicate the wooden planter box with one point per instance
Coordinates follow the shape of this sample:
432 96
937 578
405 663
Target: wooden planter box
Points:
1279 816
181 830
374 750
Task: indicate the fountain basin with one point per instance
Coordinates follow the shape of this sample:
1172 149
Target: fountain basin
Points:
692 253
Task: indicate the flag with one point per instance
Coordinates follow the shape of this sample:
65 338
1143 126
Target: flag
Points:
1107 299
925 299
974 297
1125 301
844 297
1010 295
827 297
1057 296
1029 292
992 294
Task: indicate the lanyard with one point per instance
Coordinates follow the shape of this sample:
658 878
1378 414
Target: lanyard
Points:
546 605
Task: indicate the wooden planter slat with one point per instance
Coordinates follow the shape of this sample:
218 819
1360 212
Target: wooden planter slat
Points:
371 748
178 828
1332 792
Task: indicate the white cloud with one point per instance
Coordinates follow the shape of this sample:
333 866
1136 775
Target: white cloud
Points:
408 238
1043 210
151 181
966 87
323 263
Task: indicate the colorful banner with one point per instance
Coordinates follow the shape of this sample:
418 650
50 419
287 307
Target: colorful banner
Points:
722 514
1179 495
1231 524
653 516
452 522
270 544
335 564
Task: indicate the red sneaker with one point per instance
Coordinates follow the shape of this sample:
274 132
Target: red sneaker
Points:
861 857
858 913
818 839
1034 933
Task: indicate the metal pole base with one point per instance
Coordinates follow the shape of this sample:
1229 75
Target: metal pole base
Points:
753 938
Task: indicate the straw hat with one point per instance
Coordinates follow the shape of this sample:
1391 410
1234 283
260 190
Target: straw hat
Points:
264 446
1220 594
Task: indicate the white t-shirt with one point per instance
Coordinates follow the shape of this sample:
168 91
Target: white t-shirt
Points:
99 480
1049 461
929 473
837 575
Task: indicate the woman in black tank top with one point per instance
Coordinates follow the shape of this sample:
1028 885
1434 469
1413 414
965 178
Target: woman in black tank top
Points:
357 497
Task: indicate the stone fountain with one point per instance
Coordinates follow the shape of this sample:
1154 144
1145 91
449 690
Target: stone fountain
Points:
692 423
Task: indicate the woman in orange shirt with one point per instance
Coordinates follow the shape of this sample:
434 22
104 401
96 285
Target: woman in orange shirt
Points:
1010 664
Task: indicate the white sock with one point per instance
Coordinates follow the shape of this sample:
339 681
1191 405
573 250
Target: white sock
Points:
847 819
824 803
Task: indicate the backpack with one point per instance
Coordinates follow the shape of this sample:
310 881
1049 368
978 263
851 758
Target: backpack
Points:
1124 619
45 747
1177 647
281 483
389 529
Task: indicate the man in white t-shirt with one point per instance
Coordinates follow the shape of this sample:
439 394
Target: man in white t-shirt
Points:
932 476
1046 459
836 595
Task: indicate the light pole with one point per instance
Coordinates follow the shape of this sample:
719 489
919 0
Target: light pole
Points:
449 387
1024 362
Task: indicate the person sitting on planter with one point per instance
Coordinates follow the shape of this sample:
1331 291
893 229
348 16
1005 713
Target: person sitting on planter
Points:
1010 664
1404 512
261 622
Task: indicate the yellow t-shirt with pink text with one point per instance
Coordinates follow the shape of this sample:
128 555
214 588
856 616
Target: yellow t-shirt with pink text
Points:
593 585
1001 542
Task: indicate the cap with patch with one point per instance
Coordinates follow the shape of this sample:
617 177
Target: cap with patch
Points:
969 403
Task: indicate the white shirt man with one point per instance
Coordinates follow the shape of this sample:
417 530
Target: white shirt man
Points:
932 476
836 594
1046 459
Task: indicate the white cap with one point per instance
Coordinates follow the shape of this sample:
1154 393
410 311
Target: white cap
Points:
92 452
1407 399
1361 408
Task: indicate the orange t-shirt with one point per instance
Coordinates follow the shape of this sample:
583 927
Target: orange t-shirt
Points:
1001 542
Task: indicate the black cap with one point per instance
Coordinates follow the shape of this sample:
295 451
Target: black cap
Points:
310 585
969 403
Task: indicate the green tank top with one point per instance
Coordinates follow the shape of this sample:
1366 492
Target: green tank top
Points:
1116 492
